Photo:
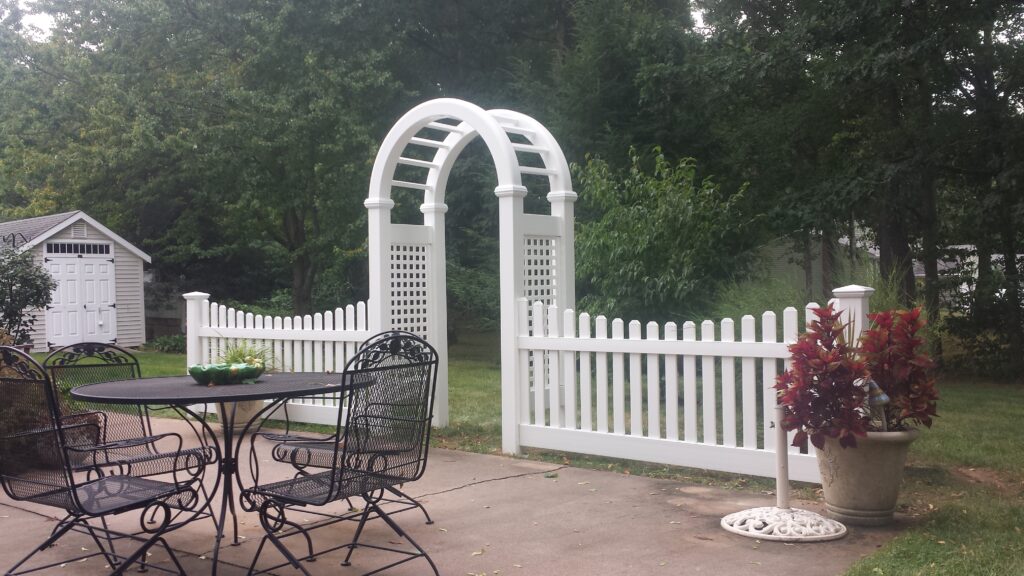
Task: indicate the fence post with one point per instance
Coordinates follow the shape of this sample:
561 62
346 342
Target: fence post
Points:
854 301
193 319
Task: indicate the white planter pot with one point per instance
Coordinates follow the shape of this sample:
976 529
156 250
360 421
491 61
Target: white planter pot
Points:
244 411
862 484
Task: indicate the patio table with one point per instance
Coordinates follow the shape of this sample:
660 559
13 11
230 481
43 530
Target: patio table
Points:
181 392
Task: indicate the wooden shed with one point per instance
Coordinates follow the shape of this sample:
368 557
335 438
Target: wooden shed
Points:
99 295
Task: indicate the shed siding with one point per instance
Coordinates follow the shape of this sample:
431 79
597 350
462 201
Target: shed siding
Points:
131 313
131 316
39 329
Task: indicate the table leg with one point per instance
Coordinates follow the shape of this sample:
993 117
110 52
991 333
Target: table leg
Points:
228 466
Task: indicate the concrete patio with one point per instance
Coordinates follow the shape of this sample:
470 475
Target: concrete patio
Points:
503 516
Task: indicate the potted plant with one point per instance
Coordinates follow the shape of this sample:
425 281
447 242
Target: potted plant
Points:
856 405
252 355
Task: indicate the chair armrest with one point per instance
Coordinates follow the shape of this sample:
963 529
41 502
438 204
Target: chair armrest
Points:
38 431
127 443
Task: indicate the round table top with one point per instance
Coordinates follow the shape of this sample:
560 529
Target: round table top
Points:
183 390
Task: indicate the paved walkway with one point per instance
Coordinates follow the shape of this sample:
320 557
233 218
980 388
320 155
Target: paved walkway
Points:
502 516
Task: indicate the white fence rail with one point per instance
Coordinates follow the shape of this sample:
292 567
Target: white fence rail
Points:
321 342
699 397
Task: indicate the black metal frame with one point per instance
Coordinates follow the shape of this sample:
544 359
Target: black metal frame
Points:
126 433
384 438
303 451
37 455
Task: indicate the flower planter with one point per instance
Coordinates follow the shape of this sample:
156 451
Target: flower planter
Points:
862 484
244 412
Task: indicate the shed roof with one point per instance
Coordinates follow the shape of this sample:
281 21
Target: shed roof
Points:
17 233
29 232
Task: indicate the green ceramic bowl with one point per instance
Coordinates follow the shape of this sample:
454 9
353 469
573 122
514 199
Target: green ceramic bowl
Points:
210 374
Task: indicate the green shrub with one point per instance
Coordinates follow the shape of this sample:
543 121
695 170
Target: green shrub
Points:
169 343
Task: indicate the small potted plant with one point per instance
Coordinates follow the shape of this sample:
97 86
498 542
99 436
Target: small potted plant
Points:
250 360
856 405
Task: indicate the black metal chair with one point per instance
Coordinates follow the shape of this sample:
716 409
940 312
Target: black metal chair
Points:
92 362
381 443
304 451
39 447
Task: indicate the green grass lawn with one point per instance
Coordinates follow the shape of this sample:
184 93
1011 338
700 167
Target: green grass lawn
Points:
963 491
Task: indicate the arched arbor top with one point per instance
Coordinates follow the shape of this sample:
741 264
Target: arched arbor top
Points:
430 137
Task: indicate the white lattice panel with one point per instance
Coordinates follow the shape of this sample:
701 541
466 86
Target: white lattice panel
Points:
408 278
539 273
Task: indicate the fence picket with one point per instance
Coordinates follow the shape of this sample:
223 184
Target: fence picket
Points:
569 370
539 369
307 345
768 372
636 390
728 387
653 386
204 346
586 413
671 387
601 374
690 386
318 347
709 396
554 376
289 366
790 332
748 333
523 310
329 346
618 377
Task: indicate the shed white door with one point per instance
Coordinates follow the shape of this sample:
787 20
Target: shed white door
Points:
83 308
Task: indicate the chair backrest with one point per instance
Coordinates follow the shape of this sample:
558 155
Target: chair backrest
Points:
33 462
387 426
89 363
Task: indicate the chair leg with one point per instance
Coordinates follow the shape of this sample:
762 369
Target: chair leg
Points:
287 553
355 539
174 557
398 530
397 492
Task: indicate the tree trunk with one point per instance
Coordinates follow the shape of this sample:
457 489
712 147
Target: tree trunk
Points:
828 251
303 267
894 259
807 263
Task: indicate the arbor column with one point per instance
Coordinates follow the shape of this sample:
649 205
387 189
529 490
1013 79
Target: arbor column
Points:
437 289
379 223
563 206
510 210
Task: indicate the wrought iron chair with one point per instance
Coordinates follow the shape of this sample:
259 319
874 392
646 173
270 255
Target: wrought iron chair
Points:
381 443
308 452
38 448
92 362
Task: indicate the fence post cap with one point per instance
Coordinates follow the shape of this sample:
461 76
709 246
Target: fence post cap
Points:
853 290
195 296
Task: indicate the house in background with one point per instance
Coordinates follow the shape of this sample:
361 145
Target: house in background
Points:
99 295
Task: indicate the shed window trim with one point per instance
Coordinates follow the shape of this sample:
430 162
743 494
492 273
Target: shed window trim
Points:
78 248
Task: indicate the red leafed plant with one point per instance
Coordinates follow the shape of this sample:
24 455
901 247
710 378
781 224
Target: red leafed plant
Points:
892 354
822 392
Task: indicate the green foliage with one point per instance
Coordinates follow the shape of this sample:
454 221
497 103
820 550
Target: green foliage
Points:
24 285
245 352
663 242
168 344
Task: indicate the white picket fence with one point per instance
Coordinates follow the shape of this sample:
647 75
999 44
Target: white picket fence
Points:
699 397
321 342
704 400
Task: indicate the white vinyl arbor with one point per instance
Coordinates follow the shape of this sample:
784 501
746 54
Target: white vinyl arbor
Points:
407 262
